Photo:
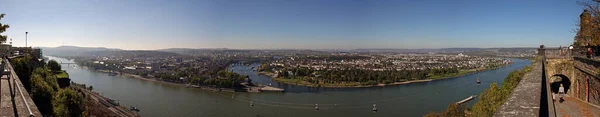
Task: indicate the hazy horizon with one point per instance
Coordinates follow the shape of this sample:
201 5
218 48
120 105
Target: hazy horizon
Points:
283 48
308 24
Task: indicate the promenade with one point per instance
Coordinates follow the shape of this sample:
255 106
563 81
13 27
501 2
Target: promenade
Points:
14 99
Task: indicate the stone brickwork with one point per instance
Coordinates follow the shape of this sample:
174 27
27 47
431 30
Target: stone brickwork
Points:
587 82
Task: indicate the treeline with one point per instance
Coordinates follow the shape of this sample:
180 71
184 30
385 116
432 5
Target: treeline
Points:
489 100
23 67
368 77
43 87
51 100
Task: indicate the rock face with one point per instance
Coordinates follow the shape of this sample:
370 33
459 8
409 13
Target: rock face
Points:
560 72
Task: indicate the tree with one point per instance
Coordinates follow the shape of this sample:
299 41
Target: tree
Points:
42 93
23 69
3 28
53 65
68 103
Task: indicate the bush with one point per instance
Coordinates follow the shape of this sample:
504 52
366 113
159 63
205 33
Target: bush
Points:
53 65
42 94
23 69
68 103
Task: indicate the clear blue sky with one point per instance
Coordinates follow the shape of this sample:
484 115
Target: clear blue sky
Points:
308 24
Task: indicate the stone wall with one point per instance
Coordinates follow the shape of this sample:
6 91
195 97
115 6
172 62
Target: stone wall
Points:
560 69
586 82
582 74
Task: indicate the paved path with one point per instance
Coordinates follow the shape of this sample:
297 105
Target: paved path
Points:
6 103
573 107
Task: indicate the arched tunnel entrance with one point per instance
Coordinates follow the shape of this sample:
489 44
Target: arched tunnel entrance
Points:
557 80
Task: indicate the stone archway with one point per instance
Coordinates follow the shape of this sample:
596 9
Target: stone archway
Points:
559 79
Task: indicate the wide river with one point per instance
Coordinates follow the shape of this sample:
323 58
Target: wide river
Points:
161 99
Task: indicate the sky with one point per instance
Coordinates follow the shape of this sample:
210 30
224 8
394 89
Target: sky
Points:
291 24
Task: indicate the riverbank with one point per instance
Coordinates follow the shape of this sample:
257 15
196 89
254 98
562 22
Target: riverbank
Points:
255 89
206 88
361 85
136 77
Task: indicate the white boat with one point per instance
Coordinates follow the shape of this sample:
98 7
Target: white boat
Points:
467 99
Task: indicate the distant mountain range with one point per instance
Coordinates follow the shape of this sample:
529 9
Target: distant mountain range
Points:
73 50
83 51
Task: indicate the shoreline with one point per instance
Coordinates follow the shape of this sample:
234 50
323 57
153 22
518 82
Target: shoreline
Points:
281 80
136 77
128 75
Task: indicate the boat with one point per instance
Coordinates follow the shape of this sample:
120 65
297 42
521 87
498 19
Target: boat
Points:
478 82
112 74
133 108
467 99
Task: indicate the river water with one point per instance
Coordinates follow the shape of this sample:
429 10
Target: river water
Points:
160 99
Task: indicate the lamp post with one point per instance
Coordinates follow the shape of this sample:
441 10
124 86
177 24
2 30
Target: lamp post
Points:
26 38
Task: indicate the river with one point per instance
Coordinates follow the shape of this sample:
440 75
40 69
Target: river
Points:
161 99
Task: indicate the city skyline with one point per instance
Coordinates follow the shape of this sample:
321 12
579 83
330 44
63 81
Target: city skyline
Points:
149 25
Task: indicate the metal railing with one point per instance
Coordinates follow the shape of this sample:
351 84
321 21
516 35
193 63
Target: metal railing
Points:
13 75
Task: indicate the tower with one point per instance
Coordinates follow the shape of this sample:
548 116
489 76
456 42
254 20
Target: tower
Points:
584 36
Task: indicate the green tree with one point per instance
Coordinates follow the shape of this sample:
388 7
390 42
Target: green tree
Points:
53 65
68 103
42 93
3 28
23 69
489 101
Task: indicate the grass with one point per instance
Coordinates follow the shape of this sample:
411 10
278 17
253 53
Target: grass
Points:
61 74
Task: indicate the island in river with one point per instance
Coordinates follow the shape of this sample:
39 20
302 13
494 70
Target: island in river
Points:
244 87
426 78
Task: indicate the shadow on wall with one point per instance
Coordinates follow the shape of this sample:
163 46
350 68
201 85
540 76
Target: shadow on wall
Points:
558 79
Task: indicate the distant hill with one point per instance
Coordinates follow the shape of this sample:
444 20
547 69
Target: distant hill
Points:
438 50
73 50
190 51
88 51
